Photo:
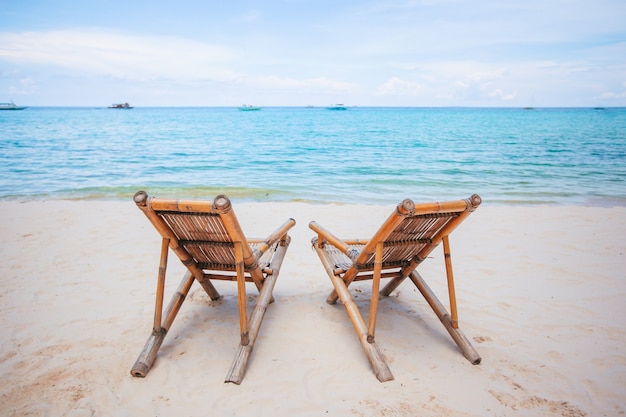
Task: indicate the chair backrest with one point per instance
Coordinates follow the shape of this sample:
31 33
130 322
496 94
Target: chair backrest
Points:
413 231
204 231
204 237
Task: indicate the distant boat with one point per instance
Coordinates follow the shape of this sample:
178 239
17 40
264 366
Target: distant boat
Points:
337 107
532 103
10 106
249 107
120 106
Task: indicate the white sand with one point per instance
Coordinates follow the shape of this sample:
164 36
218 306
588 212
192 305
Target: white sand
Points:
541 294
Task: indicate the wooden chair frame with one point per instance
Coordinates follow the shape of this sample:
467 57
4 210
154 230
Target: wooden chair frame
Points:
399 246
208 240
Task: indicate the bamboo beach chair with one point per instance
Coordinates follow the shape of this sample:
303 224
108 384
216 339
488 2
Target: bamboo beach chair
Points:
209 241
399 246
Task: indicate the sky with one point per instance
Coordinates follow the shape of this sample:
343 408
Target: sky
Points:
507 53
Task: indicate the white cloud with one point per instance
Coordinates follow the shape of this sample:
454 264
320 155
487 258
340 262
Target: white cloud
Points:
397 87
485 84
614 94
118 54
498 93
171 62
309 84
25 86
452 79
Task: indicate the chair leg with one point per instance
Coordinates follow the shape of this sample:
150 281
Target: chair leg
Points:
450 276
378 264
381 370
239 365
148 354
459 338
158 308
241 294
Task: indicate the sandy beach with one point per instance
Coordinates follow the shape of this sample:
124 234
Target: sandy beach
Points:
540 290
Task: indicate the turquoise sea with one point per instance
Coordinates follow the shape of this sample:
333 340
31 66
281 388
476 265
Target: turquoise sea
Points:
571 156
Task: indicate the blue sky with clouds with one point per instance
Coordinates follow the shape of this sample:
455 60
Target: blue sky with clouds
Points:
314 52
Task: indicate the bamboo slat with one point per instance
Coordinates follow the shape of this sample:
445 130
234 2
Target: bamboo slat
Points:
448 207
182 206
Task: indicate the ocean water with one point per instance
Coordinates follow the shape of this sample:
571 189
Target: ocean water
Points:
573 156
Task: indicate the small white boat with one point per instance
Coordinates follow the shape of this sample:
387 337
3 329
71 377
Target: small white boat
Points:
121 106
337 107
10 106
249 107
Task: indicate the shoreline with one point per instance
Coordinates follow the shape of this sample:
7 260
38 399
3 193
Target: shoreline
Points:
539 290
592 202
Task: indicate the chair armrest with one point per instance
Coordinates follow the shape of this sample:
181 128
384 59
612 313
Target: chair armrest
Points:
325 235
275 237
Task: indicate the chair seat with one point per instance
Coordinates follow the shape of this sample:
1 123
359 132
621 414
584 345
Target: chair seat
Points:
212 262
